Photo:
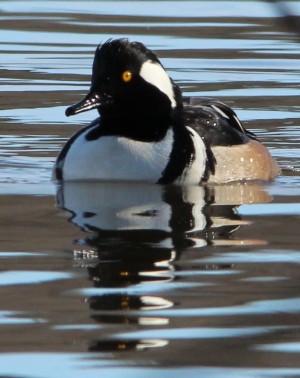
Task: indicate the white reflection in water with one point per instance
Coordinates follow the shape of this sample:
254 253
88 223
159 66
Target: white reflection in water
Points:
271 209
17 318
9 255
197 333
78 365
281 306
260 256
147 8
82 327
146 288
49 115
289 347
31 277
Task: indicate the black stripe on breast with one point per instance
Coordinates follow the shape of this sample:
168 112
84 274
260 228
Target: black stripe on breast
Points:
182 155
211 162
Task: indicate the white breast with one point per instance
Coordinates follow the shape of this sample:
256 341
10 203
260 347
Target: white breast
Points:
116 158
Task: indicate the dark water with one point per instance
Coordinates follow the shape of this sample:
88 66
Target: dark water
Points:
132 279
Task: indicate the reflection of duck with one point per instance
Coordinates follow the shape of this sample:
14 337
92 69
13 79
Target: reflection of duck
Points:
119 215
147 132
145 224
135 232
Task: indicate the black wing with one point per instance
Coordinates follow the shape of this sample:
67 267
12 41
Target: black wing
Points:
215 122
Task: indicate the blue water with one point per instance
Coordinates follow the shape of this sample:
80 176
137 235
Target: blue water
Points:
134 279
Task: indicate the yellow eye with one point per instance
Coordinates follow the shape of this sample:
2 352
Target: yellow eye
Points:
126 76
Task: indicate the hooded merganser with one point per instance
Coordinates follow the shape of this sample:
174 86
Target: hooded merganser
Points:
148 132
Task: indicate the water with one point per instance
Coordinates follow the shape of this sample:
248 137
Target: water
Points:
133 279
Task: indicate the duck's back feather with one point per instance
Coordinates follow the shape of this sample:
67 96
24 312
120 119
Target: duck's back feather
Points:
233 152
215 122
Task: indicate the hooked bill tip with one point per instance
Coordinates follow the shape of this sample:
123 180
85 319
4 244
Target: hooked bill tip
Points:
70 111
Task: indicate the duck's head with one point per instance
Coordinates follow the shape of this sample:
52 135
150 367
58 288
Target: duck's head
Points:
129 80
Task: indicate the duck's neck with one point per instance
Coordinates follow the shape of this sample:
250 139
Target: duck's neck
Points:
145 122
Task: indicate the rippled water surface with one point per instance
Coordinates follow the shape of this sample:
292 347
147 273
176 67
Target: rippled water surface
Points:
132 279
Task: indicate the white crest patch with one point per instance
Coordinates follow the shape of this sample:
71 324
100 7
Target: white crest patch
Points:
155 74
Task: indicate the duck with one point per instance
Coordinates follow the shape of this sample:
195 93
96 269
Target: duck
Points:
148 131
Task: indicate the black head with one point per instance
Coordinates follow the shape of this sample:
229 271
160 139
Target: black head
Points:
129 83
